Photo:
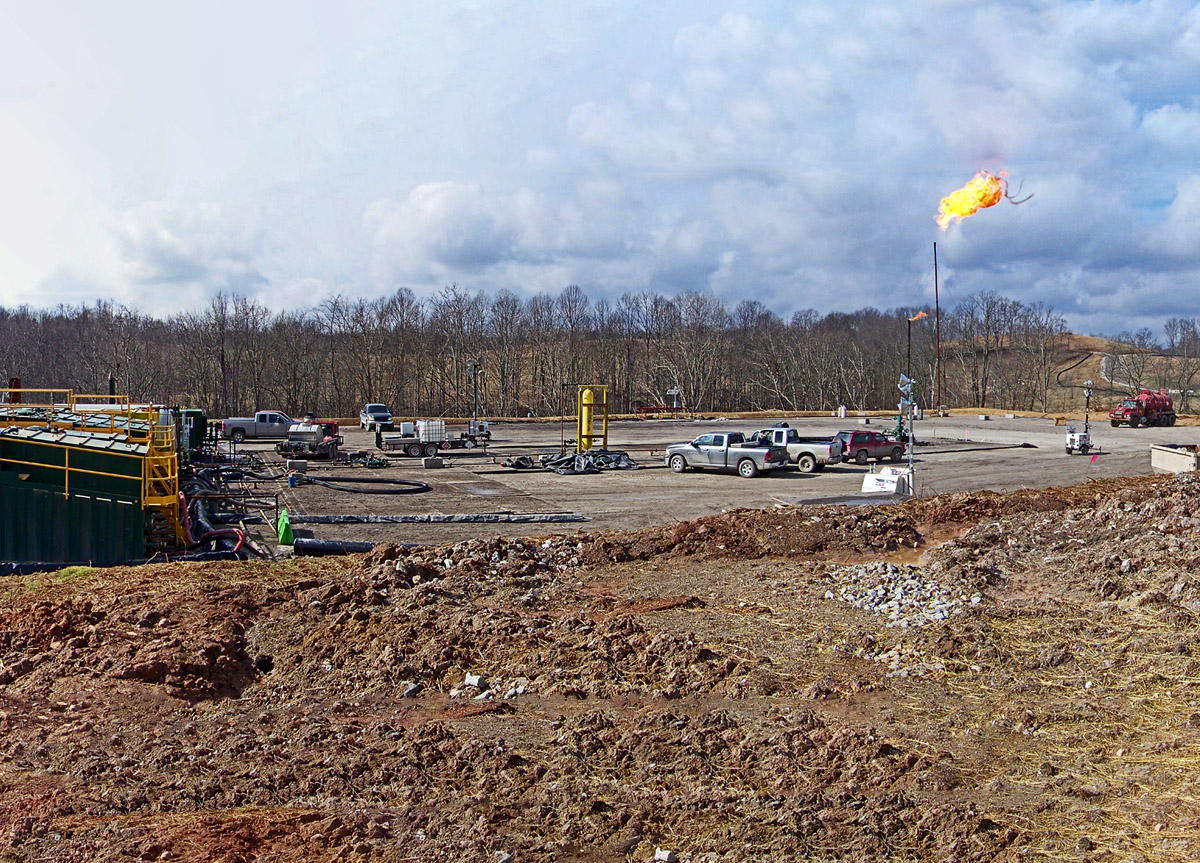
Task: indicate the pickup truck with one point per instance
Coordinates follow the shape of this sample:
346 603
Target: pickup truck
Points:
725 451
807 453
264 424
863 445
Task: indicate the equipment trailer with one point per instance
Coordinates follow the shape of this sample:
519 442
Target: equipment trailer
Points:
428 437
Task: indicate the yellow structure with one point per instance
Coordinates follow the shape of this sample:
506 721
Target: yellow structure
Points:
154 428
590 399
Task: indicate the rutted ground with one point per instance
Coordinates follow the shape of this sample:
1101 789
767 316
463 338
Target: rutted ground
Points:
970 677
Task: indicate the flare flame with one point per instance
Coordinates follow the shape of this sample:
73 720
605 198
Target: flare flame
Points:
985 190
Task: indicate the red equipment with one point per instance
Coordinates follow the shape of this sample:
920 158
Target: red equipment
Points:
1146 408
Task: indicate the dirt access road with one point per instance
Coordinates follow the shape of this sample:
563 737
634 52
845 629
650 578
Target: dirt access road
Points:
962 453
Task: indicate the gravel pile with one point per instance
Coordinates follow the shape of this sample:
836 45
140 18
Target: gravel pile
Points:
900 592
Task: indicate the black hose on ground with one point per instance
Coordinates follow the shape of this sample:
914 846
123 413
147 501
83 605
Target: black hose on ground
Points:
29 568
239 472
445 518
394 486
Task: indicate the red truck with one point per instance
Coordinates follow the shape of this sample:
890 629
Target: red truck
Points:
858 446
1146 408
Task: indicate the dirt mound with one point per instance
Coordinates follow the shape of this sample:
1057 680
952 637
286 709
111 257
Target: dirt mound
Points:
968 508
750 685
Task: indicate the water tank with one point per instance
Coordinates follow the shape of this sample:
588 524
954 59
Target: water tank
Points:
433 431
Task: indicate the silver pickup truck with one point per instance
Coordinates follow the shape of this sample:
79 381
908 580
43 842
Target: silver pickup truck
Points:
264 424
725 451
807 453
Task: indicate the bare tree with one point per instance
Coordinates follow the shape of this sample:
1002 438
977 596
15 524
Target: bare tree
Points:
1128 369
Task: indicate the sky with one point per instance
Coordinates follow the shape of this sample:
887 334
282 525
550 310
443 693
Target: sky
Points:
793 153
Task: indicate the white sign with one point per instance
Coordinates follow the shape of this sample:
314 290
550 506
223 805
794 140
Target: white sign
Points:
893 480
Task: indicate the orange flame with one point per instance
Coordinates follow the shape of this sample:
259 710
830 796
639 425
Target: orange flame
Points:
985 190
919 316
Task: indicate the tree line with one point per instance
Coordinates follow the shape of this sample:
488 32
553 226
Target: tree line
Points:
514 356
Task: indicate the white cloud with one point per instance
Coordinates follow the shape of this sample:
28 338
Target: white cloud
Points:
800 150
734 35
1178 235
170 254
1174 128
455 226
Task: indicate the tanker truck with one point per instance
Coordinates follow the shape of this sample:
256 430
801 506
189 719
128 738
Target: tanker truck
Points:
1146 408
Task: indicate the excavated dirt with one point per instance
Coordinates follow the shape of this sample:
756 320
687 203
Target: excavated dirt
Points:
971 677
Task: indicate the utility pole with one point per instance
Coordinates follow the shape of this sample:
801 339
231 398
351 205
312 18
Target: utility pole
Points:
937 335
474 368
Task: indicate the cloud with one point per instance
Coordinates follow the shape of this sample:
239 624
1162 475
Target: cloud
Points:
798 151
1174 128
453 226
735 35
1177 237
167 246
443 230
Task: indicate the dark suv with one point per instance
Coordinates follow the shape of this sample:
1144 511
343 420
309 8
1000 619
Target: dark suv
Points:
859 446
375 417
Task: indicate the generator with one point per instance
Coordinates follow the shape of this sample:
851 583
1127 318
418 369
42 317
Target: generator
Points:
311 440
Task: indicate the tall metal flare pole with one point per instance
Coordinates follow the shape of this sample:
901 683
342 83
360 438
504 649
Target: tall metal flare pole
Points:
937 334
909 371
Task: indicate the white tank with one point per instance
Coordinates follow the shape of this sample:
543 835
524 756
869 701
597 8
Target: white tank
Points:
432 431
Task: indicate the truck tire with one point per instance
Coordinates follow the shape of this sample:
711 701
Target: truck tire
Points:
1115 423
806 463
897 453
678 463
431 449
413 450
747 468
237 435
1085 448
1134 422
1170 419
860 457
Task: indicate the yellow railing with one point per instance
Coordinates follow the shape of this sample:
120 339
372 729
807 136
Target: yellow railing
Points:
66 468
160 463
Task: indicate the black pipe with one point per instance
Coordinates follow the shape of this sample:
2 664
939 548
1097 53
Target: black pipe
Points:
321 547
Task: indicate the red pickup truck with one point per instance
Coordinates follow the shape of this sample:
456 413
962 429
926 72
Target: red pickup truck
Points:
859 446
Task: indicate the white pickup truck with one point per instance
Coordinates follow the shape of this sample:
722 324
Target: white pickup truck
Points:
807 453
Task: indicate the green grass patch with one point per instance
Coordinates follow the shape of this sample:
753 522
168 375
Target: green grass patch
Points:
70 573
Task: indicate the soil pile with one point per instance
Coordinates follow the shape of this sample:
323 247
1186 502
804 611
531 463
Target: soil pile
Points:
805 682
